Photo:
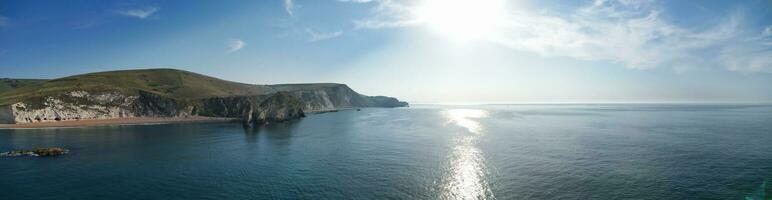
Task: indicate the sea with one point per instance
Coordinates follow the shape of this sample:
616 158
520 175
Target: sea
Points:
528 151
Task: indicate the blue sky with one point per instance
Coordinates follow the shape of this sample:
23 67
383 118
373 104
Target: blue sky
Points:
490 51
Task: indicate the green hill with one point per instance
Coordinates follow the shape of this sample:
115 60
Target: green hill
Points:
7 84
170 83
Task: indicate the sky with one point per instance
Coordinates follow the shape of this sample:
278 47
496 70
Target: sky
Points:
421 51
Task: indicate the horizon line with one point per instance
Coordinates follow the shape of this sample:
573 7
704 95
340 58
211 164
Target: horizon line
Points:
594 103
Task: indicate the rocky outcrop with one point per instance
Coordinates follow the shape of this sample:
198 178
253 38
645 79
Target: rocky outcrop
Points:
278 108
151 105
42 152
384 101
331 96
228 106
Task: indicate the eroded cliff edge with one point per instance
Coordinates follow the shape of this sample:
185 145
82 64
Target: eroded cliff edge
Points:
332 96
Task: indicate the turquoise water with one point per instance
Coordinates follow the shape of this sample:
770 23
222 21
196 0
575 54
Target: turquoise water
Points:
423 152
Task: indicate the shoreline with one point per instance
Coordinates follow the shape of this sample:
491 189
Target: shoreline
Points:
118 121
138 121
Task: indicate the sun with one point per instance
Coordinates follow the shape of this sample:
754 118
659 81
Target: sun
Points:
463 19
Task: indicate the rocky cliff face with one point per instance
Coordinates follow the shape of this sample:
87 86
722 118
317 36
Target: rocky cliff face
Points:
325 97
151 105
78 105
285 103
384 101
228 106
279 107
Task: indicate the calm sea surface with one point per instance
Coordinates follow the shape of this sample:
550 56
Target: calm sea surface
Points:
422 152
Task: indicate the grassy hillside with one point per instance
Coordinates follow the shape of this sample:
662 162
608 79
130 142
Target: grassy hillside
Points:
304 86
172 83
7 84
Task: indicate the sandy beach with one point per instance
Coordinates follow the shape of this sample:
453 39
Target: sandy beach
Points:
119 121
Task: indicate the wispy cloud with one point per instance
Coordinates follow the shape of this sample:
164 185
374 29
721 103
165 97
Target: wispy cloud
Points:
4 21
235 45
766 35
386 14
317 36
767 31
289 6
143 13
632 33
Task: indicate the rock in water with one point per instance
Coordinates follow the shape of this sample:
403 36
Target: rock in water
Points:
17 153
53 151
42 152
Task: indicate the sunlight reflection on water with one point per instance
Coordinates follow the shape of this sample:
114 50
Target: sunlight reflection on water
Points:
466 118
467 167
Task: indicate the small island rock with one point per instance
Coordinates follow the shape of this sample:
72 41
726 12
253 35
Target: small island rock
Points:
42 152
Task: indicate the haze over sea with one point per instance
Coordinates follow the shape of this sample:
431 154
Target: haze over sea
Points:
613 151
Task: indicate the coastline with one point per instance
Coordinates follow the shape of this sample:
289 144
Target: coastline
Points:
137 121
118 121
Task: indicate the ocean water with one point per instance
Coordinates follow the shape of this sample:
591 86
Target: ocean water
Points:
422 152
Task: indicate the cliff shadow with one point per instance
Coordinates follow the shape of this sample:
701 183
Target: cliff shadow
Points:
6 115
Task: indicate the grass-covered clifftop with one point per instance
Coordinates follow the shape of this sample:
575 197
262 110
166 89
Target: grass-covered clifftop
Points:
7 84
170 83
184 86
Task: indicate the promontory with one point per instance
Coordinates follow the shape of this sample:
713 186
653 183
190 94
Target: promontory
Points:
170 93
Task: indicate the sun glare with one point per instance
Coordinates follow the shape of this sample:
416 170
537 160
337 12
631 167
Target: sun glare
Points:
463 19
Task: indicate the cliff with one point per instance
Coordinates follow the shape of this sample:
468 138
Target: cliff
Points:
331 96
78 105
279 107
275 107
173 93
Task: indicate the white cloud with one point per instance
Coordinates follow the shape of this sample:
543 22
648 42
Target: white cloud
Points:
140 13
235 45
632 33
317 36
289 6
